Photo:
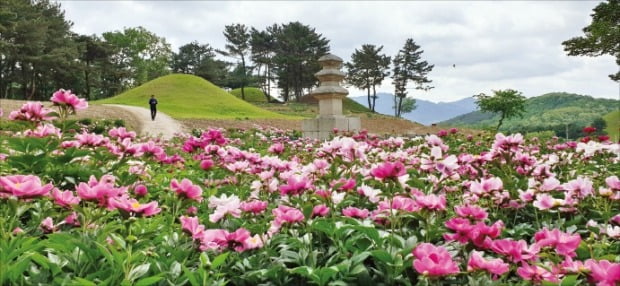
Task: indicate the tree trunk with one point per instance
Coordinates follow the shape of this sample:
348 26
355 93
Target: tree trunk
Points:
501 119
374 98
87 79
243 77
369 102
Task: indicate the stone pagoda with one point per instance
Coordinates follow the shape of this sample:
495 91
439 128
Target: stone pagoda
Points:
330 95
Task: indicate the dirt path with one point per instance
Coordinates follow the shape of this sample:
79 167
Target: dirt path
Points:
163 125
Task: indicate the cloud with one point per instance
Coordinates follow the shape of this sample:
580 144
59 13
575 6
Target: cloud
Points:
493 44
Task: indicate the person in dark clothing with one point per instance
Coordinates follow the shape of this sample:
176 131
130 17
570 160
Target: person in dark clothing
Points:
153 104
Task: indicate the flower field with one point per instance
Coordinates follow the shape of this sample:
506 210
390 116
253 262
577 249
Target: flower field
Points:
250 207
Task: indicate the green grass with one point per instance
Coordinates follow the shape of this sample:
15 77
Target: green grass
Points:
252 94
353 106
613 125
188 96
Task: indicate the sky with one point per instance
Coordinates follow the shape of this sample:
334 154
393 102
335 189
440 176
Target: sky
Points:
476 46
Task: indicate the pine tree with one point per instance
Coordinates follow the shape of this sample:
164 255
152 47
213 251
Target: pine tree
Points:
367 69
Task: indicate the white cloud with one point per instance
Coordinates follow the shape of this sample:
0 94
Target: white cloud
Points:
494 45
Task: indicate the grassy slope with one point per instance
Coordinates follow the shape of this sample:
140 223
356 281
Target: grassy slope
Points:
613 125
188 96
544 110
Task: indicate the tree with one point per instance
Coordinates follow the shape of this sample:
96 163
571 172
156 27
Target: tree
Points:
238 44
263 49
409 66
145 55
602 36
368 69
507 103
297 50
199 60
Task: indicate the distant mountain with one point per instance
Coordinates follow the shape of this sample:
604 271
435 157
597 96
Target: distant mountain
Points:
556 111
427 112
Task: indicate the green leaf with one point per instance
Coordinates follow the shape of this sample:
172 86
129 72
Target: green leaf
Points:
324 226
382 256
190 276
325 274
139 271
303 270
569 280
219 260
84 282
148 281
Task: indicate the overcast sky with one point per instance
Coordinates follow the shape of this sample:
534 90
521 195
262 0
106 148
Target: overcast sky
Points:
493 45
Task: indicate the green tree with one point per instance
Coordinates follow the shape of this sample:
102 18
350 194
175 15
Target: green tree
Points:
199 60
367 69
408 105
507 103
146 55
409 66
263 49
601 37
297 50
238 45
36 50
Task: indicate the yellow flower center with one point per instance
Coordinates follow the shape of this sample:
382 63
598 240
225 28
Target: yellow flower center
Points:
135 205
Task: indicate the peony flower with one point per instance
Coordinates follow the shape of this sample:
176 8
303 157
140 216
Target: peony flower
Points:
431 201
295 185
287 214
254 207
320 210
24 186
47 225
67 98
65 199
191 226
32 111
536 273
236 240
134 207
187 189
603 272
140 190
493 266
471 212
561 242
224 205
433 260
388 170
355 212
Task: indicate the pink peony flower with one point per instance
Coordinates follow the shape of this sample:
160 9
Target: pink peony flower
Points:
133 207
493 266
65 97
603 272
287 214
191 226
140 190
515 251
65 199
433 260
471 212
561 242
32 111
276 148
72 219
43 131
581 187
187 189
24 186
295 185
254 207
613 182
355 212
206 164
192 210
121 133
320 210
536 273
388 170
431 201
18 230
47 225
236 240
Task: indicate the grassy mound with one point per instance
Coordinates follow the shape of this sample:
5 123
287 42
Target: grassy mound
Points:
613 124
252 94
188 96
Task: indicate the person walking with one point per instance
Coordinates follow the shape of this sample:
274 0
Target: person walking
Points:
153 104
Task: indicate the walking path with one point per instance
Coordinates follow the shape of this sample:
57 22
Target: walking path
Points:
163 125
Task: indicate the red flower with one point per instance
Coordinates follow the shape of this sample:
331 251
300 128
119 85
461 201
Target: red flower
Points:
589 129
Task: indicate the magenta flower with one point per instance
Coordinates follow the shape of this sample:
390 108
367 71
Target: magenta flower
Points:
276 148
493 266
320 210
603 272
431 201
133 207
187 189
515 251
561 242
65 199
72 219
254 207
121 133
43 131
212 239
236 240
140 190
471 212
67 98
24 186
388 170
431 260
206 164
486 186
191 226
355 212
32 111
295 185
536 273
47 225
91 139
287 214
545 202
581 187
613 182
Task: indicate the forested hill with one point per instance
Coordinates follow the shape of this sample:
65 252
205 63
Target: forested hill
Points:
551 111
